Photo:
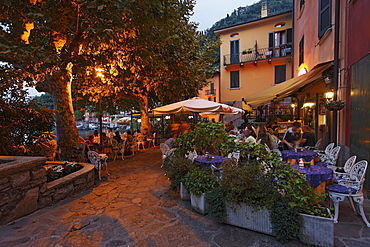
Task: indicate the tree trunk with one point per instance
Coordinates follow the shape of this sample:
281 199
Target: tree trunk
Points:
60 89
144 110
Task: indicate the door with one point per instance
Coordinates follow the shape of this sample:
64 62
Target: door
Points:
234 51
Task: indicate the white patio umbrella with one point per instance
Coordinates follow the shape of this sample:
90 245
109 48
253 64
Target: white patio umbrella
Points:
196 105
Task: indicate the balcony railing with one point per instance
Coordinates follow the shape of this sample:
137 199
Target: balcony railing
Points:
210 92
259 54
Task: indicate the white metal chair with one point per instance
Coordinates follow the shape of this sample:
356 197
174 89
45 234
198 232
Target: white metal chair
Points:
352 189
344 174
192 155
164 149
235 155
151 141
317 145
140 141
98 160
326 152
121 150
331 159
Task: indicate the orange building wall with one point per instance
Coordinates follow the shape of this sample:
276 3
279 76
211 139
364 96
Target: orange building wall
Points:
252 79
316 50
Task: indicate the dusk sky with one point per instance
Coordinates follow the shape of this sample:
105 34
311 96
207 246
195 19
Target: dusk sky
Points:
207 12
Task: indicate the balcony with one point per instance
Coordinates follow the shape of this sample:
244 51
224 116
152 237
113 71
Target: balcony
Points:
259 54
210 92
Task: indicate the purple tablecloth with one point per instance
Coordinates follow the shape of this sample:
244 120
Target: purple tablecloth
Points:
216 160
307 155
315 174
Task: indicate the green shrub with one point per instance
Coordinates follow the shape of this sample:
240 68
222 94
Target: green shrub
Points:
176 167
199 181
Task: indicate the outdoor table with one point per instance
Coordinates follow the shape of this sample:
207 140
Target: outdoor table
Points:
317 176
216 160
293 156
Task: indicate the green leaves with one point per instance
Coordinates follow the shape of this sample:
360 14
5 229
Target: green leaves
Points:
199 181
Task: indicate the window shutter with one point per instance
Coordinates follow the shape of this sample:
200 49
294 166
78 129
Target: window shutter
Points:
280 73
271 41
289 36
324 16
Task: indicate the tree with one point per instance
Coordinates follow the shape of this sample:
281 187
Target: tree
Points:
60 45
21 119
167 61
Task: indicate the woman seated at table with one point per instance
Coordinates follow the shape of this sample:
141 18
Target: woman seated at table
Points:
292 136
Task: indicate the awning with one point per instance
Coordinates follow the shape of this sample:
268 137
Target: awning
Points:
287 88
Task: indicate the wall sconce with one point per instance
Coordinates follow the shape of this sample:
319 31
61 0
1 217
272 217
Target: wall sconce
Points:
329 96
242 65
302 71
269 61
167 117
255 63
292 105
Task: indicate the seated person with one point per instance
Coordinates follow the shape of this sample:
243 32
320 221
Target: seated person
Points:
171 139
249 138
117 137
292 136
105 139
308 138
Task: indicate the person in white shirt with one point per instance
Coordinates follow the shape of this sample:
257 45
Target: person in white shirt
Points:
249 138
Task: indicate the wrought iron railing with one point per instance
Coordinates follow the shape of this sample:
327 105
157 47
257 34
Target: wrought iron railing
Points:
210 92
258 54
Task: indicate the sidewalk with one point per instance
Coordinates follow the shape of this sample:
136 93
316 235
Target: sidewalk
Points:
136 207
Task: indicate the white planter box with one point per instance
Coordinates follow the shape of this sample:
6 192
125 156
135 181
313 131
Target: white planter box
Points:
198 203
316 230
184 193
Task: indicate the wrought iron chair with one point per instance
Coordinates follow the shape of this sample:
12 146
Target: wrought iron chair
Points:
352 189
164 149
342 173
98 160
235 155
121 150
192 155
151 141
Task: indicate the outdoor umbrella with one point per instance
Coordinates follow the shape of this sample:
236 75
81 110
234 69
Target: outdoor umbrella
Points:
197 105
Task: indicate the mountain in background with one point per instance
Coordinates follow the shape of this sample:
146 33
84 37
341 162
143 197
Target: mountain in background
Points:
245 14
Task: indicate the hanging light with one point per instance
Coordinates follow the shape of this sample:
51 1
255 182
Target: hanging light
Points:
308 104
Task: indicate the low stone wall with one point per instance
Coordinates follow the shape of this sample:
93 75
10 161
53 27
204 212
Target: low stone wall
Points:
23 186
69 185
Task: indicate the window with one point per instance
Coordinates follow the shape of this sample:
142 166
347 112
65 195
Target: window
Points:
301 51
279 41
212 89
280 73
234 79
324 16
234 51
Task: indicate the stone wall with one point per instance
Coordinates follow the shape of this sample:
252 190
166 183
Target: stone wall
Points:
23 186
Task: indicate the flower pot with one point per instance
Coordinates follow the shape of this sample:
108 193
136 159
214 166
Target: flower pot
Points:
199 203
184 193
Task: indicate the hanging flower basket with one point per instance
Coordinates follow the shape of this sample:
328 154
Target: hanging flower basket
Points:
335 105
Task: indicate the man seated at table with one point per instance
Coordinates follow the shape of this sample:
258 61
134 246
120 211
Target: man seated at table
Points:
292 136
308 138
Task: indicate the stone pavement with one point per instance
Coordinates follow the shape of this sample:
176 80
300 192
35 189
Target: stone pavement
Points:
136 207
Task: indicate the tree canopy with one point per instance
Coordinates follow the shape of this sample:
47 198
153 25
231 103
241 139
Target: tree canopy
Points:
103 49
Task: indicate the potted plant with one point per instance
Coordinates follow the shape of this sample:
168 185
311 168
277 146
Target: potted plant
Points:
198 182
176 167
248 51
266 195
206 135
335 105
